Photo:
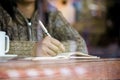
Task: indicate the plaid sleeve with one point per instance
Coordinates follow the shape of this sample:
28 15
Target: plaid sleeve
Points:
62 30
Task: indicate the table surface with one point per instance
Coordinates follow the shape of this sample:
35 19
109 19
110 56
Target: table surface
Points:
61 69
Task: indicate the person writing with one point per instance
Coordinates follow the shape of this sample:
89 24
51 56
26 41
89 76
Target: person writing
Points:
20 20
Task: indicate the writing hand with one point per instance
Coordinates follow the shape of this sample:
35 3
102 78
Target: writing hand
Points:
49 47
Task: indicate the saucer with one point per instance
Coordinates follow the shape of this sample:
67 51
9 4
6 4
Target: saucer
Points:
7 57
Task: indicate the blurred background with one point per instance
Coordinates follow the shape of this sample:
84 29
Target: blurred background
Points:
98 21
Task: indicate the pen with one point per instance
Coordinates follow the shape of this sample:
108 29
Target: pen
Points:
44 29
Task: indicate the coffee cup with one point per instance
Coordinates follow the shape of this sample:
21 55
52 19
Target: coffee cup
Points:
4 43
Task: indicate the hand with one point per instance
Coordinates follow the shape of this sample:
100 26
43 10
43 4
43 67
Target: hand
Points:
49 47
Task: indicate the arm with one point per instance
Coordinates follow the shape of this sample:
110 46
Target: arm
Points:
62 30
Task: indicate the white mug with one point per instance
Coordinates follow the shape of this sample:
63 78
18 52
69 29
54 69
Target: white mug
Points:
4 43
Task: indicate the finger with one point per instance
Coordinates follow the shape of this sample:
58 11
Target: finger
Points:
41 51
58 44
55 50
50 52
62 48
53 47
50 45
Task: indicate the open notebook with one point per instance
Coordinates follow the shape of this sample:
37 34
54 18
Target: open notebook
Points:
68 55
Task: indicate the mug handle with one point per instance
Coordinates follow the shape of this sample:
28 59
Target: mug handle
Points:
7 46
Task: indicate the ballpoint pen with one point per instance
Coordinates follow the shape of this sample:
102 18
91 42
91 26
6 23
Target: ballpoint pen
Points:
44 29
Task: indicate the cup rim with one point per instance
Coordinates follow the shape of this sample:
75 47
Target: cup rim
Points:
2 32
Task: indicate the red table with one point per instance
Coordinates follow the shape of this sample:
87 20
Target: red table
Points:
94 69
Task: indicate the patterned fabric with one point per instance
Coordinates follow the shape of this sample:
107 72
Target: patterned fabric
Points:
21 30
61 72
